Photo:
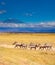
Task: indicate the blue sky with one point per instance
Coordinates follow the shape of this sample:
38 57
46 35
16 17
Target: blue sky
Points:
39 12
28 10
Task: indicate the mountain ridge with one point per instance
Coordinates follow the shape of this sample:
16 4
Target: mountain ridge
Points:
12 21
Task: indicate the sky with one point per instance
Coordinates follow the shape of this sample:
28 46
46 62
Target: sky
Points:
28 11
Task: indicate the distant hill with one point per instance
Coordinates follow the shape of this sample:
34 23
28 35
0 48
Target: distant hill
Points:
25 28
12 21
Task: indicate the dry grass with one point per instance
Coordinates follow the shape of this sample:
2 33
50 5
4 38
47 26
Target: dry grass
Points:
16 56
27 38
26 57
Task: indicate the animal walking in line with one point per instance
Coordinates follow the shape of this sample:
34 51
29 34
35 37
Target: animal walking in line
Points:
45 46
24 45
21 45
33 46
17 45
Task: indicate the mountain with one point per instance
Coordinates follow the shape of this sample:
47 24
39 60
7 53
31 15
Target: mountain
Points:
12 21
13 25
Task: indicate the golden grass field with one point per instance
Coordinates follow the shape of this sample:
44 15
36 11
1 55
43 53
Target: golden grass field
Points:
17 56
9 38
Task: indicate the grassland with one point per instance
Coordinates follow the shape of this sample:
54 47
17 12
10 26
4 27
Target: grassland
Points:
9 38
17 56
26 57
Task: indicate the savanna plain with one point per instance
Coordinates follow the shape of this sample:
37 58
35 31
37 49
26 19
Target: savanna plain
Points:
20 56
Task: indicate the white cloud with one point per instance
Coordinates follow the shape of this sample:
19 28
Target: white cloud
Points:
31 25
2 11
3 3
28 14
47 24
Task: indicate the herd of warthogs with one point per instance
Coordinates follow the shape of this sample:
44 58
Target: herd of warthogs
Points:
32 46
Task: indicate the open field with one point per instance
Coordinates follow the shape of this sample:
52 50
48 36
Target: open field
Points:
9 38
16 56
19 56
